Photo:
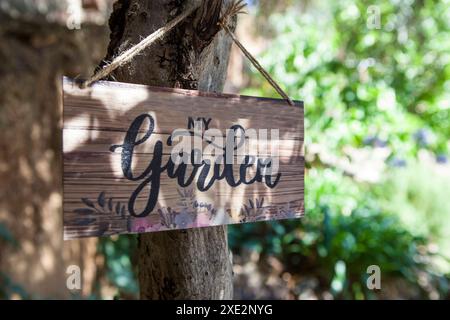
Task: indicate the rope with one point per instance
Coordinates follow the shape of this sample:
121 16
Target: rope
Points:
235 8
257 65
129 54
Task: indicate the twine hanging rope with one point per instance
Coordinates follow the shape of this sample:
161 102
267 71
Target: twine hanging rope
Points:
234 9
129 54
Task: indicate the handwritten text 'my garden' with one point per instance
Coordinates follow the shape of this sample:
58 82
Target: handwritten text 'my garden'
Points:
209 164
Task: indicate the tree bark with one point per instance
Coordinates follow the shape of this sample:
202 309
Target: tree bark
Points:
34 54
195 263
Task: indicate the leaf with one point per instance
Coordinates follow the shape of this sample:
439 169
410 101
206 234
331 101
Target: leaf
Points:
84 221
251 203
110 204
101 199
84 211
123 211
88 202
118 207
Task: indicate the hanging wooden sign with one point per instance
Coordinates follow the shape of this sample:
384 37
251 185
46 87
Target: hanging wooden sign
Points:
143 159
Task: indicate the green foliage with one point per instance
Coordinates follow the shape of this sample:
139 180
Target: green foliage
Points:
8 287
342 234
121 271
418 194
356 82
7 236
364 88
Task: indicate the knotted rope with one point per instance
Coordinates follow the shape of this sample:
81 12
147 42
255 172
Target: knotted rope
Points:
232 10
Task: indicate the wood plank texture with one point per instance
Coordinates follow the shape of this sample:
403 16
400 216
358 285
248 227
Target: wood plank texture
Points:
102 174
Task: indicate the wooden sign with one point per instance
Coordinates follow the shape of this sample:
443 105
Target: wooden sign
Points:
143 159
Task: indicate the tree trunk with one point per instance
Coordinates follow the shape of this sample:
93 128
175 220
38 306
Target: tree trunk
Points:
182 264
34 54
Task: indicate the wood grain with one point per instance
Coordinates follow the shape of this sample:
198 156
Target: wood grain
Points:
97 194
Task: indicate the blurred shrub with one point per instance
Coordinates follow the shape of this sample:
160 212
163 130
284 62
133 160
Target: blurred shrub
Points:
364 88
418 194
361 85
342 234
119 253
8 287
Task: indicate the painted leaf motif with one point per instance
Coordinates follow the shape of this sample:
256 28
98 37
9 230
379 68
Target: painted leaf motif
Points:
84 221
88 202
84 211
101 199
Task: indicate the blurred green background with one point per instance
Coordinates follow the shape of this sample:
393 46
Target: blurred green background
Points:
375 80
377 127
